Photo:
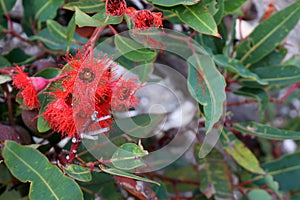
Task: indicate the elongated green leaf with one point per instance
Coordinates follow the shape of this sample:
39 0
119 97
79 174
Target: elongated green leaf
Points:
28 164
215 176
57 30
198 17
259 94
102 16
261 130
236 66
276 75
87 6
241 154
286 171
41 10
232 6
259 194
132 50
170 3
117 172
128 156
272 59
79 173
268 34
207 86
82 19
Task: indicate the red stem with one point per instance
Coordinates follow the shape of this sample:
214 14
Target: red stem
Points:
74 149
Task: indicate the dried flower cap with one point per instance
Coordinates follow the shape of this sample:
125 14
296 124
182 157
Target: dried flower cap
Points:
145 19
115 7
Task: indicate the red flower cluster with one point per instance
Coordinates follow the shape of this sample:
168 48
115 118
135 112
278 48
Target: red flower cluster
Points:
143 19
30 86
88 81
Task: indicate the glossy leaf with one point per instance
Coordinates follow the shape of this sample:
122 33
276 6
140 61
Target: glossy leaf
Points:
261 130
82 19
207 86
215 176
232 6
117 172
133 50
57 30
198 17
28 164
272 59
276 75
102 16
236 66
268 34
78 172
241 154
41 10
259 94
170 3
87 6
128 156
286 171
259 194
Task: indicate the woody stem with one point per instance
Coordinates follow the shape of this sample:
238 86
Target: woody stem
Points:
74 149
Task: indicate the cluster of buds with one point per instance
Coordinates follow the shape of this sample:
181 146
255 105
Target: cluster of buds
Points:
111 93
142 19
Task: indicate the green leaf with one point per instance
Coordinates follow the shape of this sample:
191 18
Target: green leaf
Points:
4 62
82 19
272 59
102 185
220 11
143 71
286 171
241 154
87 6
276 75
170 3
197 17
259 194
102 16
133 50
128 156
27 164
231 6
17 56
268 34
236 66
259 94
261 130
79 173
273 185
41 10
70 31
215 176
117 172
56 30
4 78
207 86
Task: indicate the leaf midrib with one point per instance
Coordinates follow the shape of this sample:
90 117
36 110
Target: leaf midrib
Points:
26 164
267 36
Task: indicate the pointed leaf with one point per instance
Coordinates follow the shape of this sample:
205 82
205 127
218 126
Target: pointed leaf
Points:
215 176
133 50
79 173
128 156
236 66
82 19
28 164
268 34
286 171
170 3
198 17
117 172
232 6
261 130
241 154
87 6
207 86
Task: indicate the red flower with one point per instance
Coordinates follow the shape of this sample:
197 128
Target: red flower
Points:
130 11
30 86
144 19
124 95
115 7
59 115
